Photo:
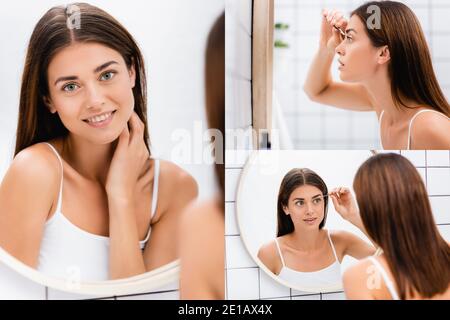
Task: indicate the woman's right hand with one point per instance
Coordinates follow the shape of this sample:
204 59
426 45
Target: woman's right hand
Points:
128 161
330 37
345 204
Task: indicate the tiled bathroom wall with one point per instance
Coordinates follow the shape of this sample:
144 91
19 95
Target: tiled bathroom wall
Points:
245 280
238 77
316 126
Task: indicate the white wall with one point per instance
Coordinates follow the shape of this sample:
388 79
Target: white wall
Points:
245 280
316 126
238 57
172 36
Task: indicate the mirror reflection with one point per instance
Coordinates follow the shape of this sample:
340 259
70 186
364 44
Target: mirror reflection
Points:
85 198
304 229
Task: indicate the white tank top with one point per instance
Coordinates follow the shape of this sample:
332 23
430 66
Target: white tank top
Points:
74 254
389 284
324 278
410 124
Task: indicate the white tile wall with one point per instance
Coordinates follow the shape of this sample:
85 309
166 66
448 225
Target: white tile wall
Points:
238 103
247 281
316 126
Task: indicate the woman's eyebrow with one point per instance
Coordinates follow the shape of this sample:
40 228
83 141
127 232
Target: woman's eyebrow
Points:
105 65
317 195
98 69
350 30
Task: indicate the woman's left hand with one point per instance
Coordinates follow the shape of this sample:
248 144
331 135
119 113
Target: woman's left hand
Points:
345 204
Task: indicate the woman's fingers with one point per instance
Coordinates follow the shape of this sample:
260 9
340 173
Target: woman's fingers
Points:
335 201
137 129
341 23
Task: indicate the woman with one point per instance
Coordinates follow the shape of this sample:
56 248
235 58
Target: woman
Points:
82 196
396 213
386 69
304 254
202 242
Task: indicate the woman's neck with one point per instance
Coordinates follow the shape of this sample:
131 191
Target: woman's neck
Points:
306 240
90 160
379 88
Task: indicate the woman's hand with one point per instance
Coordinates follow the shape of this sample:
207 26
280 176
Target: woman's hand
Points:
345 204
128 161
330 37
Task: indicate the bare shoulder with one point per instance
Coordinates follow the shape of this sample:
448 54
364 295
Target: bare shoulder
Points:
269 256
203 217
430 130
37 165
342 238
173 177
27 193
177 188
355 281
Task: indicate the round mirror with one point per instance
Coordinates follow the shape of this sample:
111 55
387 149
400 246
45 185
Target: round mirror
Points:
98 159
309 257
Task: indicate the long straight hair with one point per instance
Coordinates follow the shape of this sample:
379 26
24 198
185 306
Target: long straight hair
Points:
295 178
397 215
410 68
215 92
51 34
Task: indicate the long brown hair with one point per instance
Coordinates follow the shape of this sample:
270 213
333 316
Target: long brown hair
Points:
215 91
293 179
396 213
51 34
410 68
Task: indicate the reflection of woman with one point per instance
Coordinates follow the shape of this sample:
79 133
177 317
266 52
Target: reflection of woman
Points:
386 69
396 213
304 254
202 242
83 193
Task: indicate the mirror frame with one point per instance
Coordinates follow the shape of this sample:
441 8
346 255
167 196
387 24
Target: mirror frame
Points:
142 283
250 161
262 72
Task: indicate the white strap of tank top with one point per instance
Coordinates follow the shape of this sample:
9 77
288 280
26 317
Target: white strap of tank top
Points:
386 279
412 120
380 119
332 246
154 197
155 187
58 207
279 252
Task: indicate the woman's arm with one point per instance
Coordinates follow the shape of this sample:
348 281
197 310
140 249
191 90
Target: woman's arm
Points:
353 245
125 253
268 255
202 252
345 205
26 195
319 84
176 190
127 164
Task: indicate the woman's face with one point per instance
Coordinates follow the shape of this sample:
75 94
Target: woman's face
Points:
358 58
306 207
90 88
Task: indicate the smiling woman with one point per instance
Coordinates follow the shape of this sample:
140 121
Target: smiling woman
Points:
83 197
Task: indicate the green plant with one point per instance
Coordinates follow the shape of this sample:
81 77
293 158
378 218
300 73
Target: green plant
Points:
281 44
281 26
